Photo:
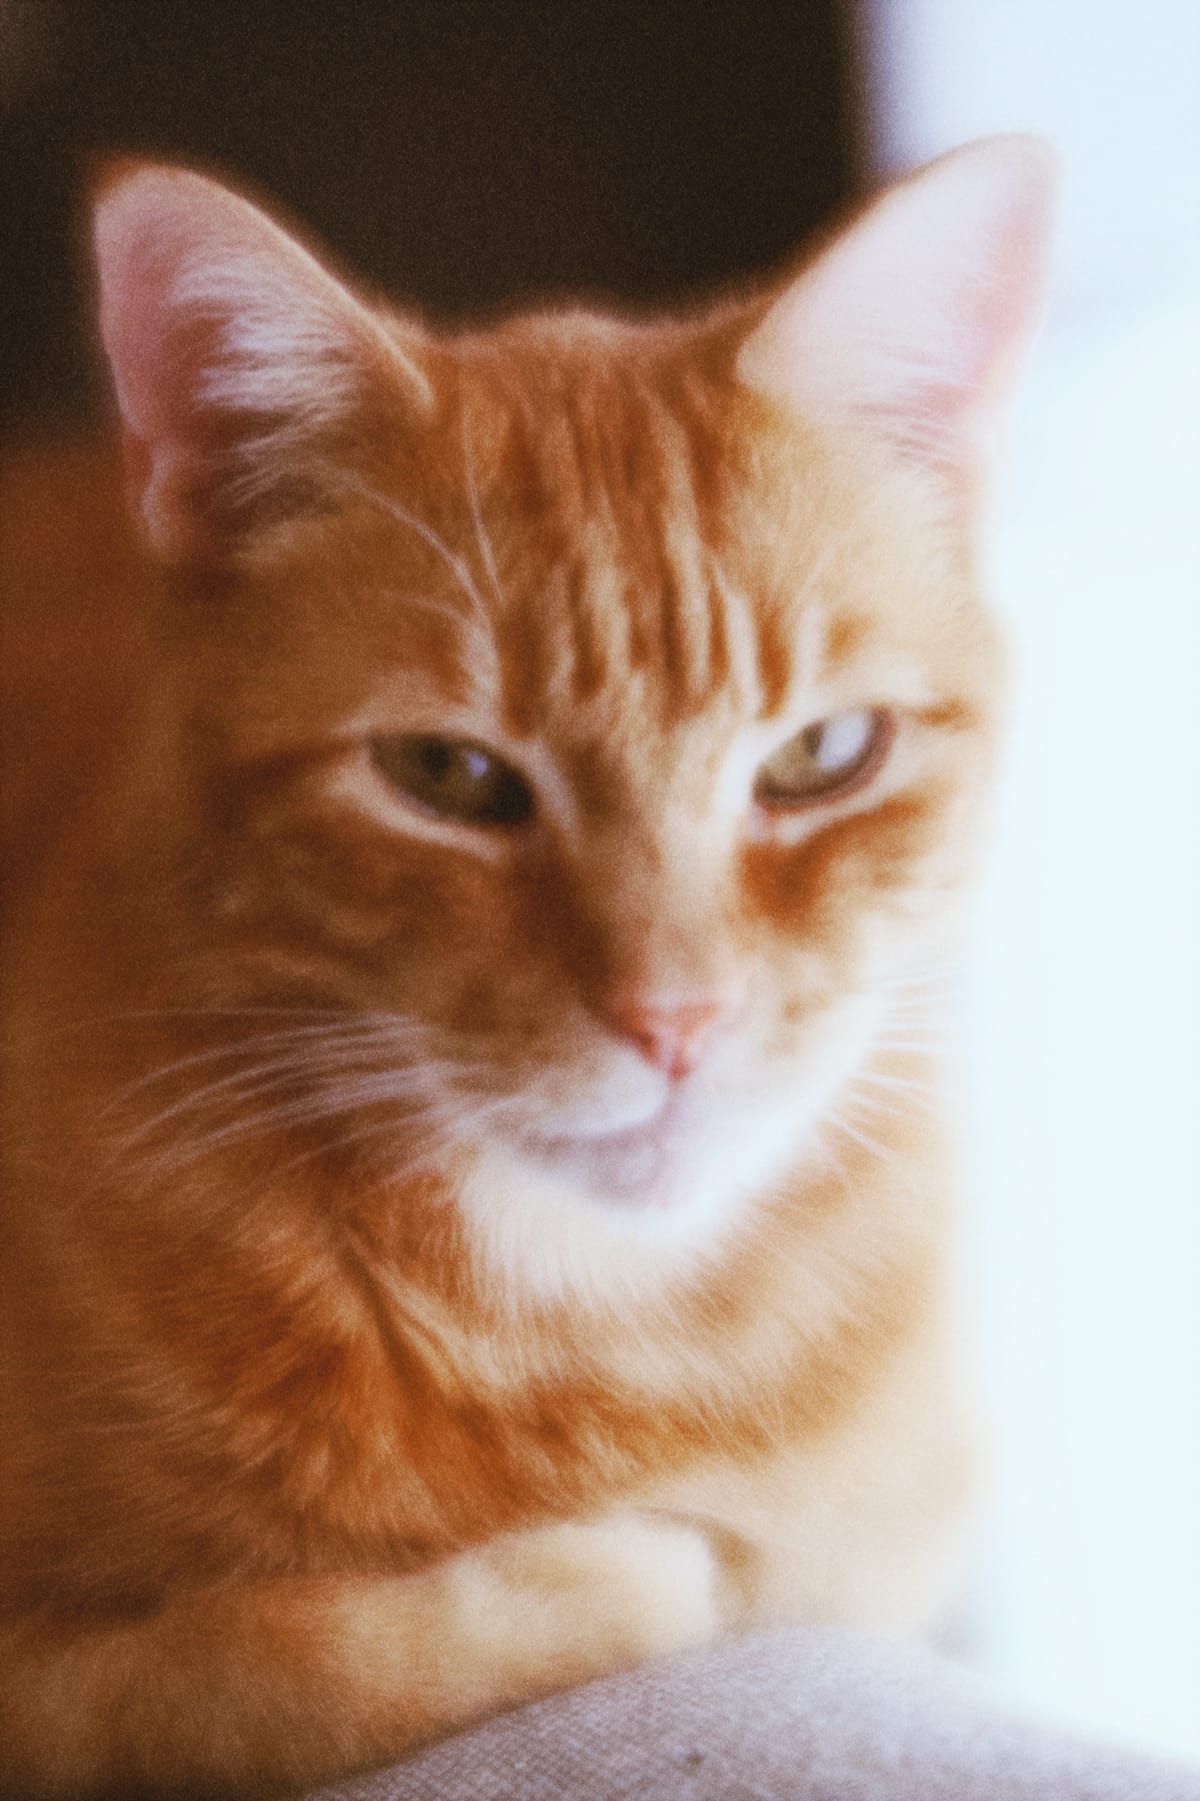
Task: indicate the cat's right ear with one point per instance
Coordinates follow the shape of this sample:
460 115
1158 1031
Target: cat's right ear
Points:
242 367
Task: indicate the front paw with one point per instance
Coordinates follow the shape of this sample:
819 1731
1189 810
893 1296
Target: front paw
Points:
586 1598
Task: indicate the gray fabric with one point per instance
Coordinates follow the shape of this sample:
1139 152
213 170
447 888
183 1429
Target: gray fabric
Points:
782 1716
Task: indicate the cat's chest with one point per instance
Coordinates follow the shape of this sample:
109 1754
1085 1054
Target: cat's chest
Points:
324 1424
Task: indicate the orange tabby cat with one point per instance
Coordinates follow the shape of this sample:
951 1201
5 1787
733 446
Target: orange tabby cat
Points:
476 1212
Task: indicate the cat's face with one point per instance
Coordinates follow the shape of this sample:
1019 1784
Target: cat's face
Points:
602 727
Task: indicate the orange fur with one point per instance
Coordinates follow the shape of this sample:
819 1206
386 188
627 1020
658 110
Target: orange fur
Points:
386 1338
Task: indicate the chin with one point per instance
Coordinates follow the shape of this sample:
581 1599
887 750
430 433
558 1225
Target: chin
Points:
600 1215
636 1166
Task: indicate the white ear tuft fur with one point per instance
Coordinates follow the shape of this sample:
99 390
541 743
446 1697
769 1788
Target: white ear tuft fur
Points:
233 351
911 321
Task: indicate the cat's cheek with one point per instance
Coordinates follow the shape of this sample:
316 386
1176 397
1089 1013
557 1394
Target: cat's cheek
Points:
428 936
330 890
466 941
824 888
399 887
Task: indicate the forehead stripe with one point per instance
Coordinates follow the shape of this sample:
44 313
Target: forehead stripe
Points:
629 477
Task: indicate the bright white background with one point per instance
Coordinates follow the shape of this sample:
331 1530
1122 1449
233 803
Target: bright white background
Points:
1083 1008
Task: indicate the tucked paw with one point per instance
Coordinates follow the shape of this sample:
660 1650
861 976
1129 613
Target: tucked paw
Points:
586 1598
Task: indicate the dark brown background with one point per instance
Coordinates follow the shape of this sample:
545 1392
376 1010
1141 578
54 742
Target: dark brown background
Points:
457 153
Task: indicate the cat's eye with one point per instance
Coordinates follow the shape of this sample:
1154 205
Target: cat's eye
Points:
826 760
455 779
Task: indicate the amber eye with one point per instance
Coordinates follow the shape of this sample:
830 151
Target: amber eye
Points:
455 779
825 760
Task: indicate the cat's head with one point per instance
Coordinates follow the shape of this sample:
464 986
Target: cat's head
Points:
592 716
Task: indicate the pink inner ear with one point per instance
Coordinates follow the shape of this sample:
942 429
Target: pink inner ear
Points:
136 273
1007 305
151 225
235 355
154 228
911 322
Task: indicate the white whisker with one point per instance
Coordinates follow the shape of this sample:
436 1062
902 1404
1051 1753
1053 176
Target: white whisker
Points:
285 1116
859 1137
871 1104
306 1075
906 1084
480 654
317 1043
375 1131
245 1086
481 538
453 563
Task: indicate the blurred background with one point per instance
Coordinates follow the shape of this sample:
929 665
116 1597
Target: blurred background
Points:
460 154
465 155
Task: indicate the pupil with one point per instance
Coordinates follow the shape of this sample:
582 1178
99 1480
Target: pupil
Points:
458 780
437 758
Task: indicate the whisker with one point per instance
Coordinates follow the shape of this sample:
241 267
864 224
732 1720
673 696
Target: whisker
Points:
320 1043
310 1019
453 563
376 1129
860 1138
266 1079
297 1050
877 1079
180 1154
481 537
871 1104
91 1022
416 1091
448 1124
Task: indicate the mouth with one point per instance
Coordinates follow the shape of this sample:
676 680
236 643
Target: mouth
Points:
628 1165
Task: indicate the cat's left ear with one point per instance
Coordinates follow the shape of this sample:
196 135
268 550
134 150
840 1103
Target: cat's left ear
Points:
911 323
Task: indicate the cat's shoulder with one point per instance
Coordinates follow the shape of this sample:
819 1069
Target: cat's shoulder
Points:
71 623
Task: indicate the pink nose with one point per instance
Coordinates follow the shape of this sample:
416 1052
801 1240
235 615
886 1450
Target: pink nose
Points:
674 1035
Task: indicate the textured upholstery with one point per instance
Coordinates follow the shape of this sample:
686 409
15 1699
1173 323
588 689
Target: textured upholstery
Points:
782 1716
